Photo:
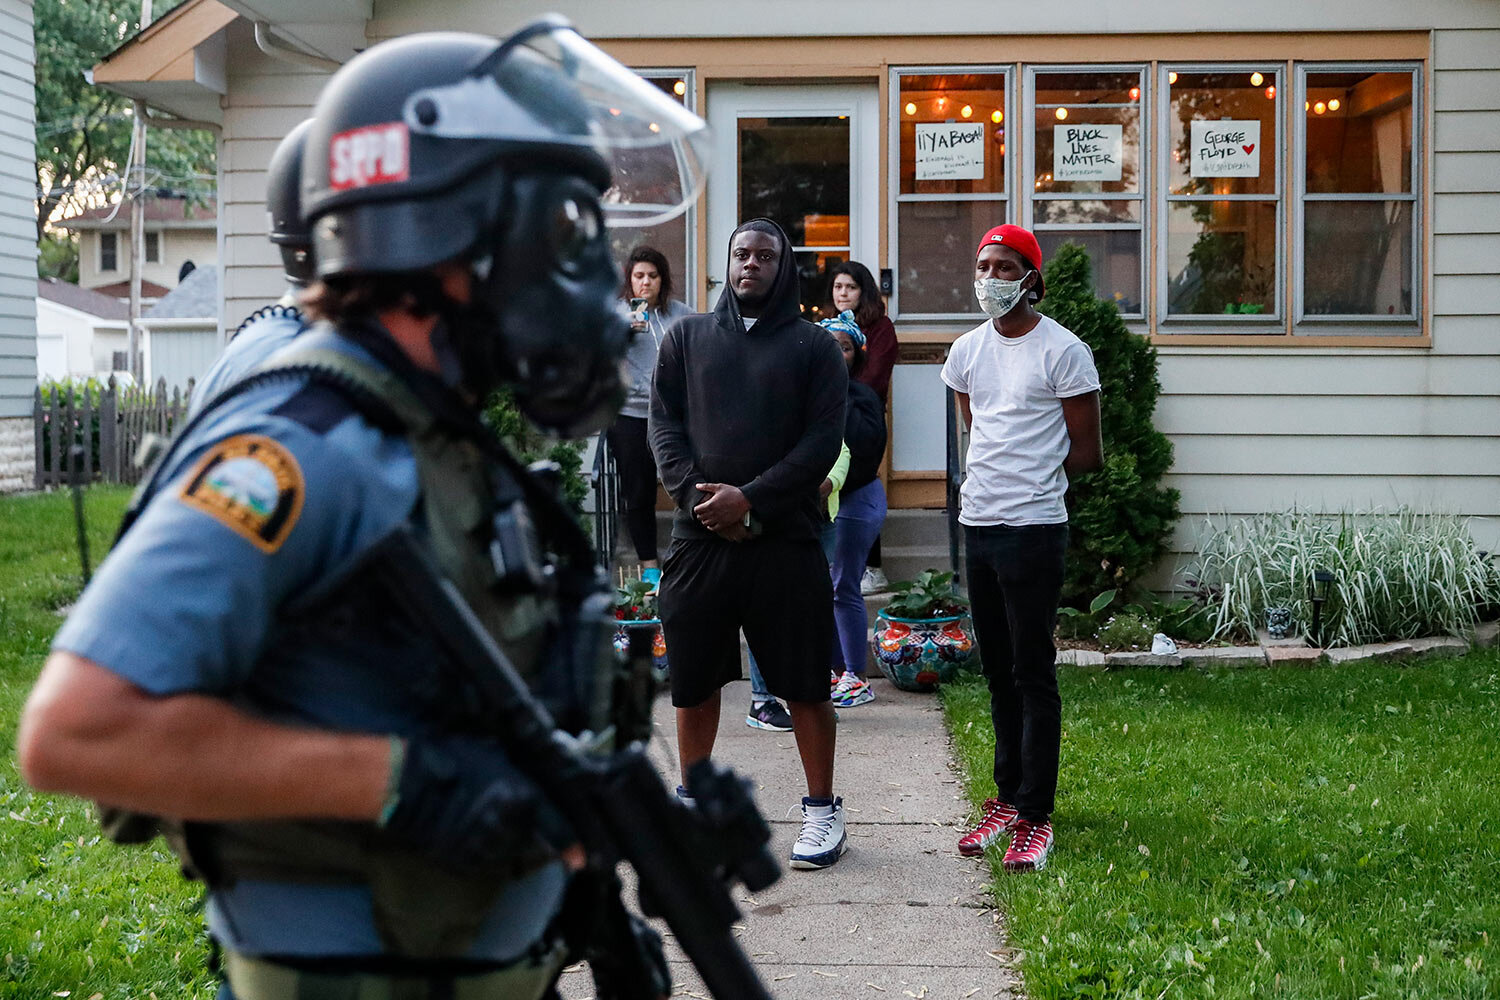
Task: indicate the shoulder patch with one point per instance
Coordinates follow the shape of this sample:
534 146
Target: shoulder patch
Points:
252 485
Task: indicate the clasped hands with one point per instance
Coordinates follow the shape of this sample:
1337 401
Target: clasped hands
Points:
724 511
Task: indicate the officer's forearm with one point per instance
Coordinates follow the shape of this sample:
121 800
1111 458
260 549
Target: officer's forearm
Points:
89 732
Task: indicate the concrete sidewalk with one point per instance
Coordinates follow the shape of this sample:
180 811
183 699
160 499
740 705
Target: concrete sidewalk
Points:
902 914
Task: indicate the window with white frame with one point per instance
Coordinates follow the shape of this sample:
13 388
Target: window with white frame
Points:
1196 155
675 237
1357 189
951 183
153 248
109 252
1222 222
1086 174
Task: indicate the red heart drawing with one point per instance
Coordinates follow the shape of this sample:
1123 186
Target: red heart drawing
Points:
1249 149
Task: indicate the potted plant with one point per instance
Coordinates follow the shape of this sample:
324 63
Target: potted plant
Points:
924 637
635 608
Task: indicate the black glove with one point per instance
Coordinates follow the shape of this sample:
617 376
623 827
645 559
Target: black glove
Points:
464 802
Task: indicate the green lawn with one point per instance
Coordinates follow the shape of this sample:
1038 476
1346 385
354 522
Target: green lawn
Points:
76 914
1307 833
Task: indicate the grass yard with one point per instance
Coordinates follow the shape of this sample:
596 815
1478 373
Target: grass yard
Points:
78 916
1301 833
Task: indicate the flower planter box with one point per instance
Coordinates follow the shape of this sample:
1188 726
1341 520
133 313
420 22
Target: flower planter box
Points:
658 643
918 654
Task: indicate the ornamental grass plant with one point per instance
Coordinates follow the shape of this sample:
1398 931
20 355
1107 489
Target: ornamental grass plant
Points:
1396 575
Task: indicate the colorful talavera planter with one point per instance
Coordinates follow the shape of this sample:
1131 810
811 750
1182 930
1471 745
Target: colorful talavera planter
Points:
658 642
918 654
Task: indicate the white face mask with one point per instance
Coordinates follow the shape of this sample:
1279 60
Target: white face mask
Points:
998 297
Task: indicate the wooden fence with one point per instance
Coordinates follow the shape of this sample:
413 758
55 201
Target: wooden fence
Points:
105 424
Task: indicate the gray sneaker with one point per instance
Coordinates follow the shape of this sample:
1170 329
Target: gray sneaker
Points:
770 716
873 582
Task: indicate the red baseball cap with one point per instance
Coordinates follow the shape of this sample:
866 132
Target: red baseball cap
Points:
1022 242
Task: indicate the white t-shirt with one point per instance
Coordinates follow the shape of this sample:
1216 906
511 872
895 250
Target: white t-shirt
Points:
1019 440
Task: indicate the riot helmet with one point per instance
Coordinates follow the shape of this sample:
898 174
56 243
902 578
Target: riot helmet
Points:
511 156
284 225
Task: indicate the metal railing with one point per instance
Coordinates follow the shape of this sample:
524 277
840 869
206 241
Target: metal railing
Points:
606 481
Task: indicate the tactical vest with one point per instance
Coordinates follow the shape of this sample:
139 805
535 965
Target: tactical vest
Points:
473 513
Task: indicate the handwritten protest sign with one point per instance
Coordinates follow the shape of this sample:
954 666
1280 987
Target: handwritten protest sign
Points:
950 151
1225 149
1087 152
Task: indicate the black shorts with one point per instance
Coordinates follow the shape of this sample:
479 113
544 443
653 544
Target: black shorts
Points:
777 590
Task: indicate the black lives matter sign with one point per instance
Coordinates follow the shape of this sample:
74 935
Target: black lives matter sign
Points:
1087 152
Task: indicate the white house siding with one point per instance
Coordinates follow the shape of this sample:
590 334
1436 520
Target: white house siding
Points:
1263 429
179 351
17 247
266 99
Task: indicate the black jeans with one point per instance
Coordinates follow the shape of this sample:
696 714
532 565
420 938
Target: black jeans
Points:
1015 576
637 468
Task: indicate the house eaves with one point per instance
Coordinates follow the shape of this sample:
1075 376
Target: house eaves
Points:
177 64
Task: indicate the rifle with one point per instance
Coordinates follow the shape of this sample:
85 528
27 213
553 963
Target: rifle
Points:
614 800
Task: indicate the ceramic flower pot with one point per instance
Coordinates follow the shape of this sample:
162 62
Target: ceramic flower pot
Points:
658 642
918 654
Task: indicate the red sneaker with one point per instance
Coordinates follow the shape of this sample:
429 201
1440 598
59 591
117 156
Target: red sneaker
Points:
1029 847
999 819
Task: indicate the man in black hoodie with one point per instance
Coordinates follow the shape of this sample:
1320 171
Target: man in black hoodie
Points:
747 412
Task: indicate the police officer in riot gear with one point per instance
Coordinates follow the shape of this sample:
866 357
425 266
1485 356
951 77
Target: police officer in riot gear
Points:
272 327
228 674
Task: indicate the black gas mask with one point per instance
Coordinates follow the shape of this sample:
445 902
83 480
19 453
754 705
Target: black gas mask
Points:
544 317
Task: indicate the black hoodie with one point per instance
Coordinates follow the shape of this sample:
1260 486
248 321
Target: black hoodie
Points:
761 409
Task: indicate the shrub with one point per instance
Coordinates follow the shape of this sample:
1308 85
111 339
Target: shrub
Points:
1127 630
1120 516
1398 575
529 444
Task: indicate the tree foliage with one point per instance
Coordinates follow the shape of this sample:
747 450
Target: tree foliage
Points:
83 131
1120 516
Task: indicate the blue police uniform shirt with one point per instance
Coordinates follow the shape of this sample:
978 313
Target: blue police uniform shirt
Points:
276 493
255 341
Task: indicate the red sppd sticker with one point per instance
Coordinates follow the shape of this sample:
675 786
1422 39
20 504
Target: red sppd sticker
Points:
375 154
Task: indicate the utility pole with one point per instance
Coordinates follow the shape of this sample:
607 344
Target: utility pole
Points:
135 190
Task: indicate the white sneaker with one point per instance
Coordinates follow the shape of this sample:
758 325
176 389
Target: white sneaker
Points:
823 839
845 679
873 582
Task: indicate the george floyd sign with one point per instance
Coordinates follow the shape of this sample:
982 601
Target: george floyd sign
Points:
950 151
1087 152
1225 149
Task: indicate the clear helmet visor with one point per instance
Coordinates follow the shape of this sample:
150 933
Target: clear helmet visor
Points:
546 85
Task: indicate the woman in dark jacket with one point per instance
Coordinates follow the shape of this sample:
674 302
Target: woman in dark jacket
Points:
861 513
851 287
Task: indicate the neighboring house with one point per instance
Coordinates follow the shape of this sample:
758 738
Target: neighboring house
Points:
180 339
1321 289
80 332
17 247
177 232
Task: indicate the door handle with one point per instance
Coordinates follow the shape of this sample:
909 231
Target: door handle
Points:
713 282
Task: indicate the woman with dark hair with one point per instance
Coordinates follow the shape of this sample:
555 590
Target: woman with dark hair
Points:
852 287
861 512
648 284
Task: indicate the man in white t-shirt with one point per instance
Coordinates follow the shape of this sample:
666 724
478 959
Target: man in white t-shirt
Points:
1030 395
